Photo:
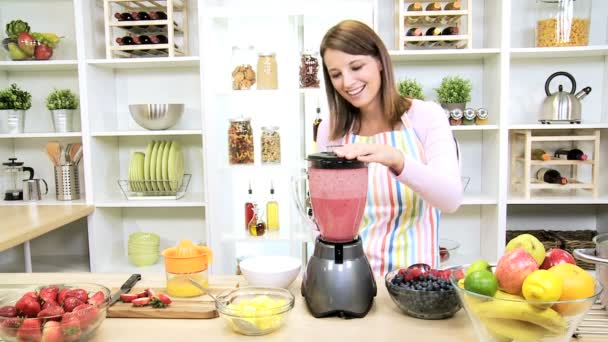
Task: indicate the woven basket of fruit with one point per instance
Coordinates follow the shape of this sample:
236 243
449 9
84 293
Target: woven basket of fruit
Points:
22 44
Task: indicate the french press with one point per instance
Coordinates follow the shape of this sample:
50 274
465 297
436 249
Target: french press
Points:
13 177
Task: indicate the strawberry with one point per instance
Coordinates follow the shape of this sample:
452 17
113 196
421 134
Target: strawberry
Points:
127 297
27 306
29 331
52 311
49 293
86 313
52 332
141 301
49 303
81 294
61 295
70 303
31 294
161 301
8 311
412 273
459 274
70 325
97 298
9 326
151 293
142 294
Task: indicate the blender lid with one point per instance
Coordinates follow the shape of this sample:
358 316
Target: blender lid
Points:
13 162
329 160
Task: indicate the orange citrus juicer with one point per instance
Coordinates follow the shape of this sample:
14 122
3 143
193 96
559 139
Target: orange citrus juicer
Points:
187 257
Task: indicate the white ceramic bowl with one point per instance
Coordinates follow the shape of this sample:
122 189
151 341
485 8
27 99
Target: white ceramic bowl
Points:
271 271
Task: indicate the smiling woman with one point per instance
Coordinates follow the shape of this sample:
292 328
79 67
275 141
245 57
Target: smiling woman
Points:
413 168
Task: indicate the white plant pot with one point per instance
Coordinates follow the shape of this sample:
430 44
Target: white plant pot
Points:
12 121
63 120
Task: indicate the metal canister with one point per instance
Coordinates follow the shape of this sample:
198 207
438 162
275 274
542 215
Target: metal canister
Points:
469 116
456 115
481 116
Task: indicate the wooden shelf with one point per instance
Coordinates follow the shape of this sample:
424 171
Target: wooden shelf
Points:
146 63
398 56
539 126
147 133
49 65
40 135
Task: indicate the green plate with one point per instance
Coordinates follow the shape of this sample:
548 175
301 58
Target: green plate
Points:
164 165
135 166
139 171
147 158
153 165
175 168
130 177
159 166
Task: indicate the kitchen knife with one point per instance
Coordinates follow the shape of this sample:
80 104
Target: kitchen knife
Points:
126 287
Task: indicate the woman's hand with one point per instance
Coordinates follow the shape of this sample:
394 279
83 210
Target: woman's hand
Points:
378 153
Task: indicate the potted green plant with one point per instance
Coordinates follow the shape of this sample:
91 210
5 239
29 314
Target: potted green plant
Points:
62 103
454 92
411 88
13 104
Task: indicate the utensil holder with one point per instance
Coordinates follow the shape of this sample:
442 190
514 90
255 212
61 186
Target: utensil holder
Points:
67 183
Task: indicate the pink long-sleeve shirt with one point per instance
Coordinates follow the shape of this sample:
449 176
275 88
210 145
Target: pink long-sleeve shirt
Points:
437 179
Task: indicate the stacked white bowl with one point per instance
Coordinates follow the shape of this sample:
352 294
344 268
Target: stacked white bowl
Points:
143 248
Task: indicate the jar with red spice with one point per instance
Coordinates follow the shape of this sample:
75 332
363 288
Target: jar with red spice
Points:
309 70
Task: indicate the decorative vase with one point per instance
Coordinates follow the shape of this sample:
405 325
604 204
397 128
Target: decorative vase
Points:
62 120
12 121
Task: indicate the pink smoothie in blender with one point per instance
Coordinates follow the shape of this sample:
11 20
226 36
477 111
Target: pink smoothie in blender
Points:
338 190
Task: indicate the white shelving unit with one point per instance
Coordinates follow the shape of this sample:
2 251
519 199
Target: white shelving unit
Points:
507 72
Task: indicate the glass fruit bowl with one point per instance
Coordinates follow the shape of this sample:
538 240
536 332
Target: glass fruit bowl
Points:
447 250
507 317
437 301
255 310
31 46
33 313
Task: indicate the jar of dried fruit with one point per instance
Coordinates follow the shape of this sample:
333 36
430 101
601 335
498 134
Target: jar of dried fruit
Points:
243 75
309 70
240 141
562 22
271 145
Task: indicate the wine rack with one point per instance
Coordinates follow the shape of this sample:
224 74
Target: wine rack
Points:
441 19
523 180
172 30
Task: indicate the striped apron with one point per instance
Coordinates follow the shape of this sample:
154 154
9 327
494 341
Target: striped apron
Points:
398 227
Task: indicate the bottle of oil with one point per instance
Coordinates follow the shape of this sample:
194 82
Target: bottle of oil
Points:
257 226
272 211
249 207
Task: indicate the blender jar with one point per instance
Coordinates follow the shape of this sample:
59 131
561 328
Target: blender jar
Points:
562 22
184 263
338 192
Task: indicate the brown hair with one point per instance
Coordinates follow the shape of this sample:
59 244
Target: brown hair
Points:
355 38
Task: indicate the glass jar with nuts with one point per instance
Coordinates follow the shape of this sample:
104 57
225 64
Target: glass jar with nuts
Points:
271 145
243 75
562 22
240 141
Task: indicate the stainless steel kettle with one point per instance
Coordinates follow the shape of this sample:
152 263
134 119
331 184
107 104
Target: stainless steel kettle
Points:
563 107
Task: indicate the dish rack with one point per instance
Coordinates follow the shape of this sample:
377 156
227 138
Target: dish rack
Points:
128 188
174 28
442 19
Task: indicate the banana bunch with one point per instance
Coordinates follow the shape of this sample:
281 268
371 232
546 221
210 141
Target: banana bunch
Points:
514 319
50 39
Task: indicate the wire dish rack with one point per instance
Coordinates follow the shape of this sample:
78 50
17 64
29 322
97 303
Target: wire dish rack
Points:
595 323
151 190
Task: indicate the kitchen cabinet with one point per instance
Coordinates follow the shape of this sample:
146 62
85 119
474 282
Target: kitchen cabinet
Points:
507 73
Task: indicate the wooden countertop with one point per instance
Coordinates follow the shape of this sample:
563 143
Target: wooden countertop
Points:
383 323
22 223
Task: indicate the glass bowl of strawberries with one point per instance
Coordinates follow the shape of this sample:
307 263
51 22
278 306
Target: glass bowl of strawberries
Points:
60 312
422 292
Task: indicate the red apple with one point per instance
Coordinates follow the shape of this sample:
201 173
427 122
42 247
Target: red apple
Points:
556 256
513 268
43 52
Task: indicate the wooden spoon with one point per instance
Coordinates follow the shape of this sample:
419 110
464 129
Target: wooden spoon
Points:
53 149
75 153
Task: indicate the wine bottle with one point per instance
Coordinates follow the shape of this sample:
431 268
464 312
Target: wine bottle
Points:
143 39
272 211
433 31
249 205
540 154
124 17
433 6
126 40
453 6
573 154
158 15
414 32
451 30
550 176
413 7
140 15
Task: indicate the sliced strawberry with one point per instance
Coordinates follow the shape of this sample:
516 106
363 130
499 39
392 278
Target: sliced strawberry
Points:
97 298
27 306
51 332
127 297
62 294
70 303
9 326
161 301
8 311
81 294
142 294
86 313
29 331
164 298
151 293
141 301
70 325
52 311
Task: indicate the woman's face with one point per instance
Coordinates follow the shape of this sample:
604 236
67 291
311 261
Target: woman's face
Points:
355 77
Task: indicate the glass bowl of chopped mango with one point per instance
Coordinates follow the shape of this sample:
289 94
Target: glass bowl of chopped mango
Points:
255 311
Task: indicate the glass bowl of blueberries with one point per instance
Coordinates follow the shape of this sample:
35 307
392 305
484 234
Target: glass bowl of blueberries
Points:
422 292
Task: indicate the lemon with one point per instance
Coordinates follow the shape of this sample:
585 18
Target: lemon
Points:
542 286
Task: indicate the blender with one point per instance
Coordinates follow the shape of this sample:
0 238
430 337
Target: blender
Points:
14 175
338 279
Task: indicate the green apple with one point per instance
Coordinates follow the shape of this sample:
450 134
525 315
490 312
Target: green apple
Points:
479 265
530 244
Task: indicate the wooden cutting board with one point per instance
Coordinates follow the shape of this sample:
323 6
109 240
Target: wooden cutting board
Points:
202 307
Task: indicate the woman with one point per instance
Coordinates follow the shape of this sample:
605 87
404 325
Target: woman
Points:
413 167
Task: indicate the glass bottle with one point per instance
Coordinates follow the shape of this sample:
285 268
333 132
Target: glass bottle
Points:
267 71
452 6
562 22
240 141
432 6
249 207
309 70
414 32
272 211
413 7
540 154
243 75
257 226
573 154
551 176
271 145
